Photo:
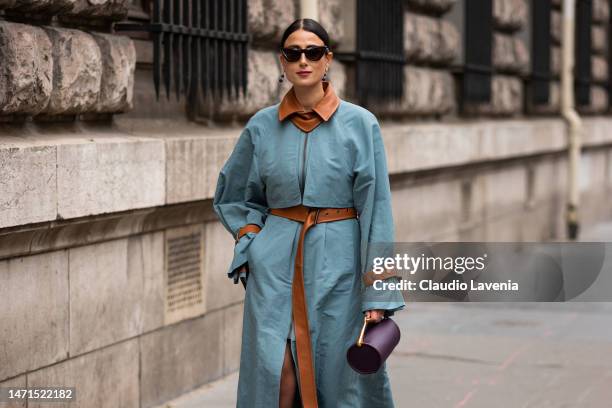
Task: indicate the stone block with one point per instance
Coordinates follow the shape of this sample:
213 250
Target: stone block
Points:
515 138
506 97
218 252
548 181
450 39
115 291
337 76
556 26
555 60
510 53
599 98
181 357
505 229
601 11
597 131
424 210
187 161
34 303
40 6
432 90
599 68
431 6
28 175
598 39
109 175
330 17
17 382
503 191
599 101
509 15
426 92
553 105
592 171
429 39
118 65
77 72
193 164
26 70
105 378
145 257
268 19
98 9
232 335
264 70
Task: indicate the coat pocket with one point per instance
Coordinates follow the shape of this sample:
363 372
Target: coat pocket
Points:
251 251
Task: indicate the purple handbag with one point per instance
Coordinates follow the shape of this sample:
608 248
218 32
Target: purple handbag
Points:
374 345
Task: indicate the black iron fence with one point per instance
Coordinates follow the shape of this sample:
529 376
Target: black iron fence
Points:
478 38
379 55
582 65
199 46
541 43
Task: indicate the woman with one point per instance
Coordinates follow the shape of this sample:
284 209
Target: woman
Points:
300 174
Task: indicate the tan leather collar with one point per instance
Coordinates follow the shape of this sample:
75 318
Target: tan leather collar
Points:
324 109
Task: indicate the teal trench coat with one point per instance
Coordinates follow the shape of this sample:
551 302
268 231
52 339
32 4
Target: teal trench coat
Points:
340 163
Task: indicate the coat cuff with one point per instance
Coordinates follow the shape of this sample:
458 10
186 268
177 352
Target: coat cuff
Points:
388 300
240 257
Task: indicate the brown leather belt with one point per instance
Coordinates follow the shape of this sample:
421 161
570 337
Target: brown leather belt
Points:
247 228
309 217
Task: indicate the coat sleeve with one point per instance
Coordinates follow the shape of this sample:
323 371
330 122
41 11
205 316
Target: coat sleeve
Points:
372 199
240 197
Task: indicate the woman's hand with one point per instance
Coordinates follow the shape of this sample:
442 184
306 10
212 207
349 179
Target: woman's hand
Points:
243 279
375 314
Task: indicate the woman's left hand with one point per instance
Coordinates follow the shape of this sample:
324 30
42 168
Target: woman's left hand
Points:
375 314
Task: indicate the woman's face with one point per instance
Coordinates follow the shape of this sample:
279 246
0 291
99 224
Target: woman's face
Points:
305 72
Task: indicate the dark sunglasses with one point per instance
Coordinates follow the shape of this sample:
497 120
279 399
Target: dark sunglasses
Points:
312 53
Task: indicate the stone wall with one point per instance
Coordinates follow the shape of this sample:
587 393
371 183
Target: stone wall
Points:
52 73
105 327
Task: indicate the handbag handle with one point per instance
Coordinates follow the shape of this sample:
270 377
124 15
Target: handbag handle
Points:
365 323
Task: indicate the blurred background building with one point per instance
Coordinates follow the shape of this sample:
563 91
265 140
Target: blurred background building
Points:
117 115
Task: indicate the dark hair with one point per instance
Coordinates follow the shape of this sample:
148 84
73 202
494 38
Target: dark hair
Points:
306 24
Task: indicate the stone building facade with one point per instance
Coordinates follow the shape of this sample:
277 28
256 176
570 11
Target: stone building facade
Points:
112 263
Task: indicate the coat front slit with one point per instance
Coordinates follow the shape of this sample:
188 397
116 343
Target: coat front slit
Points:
340 163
